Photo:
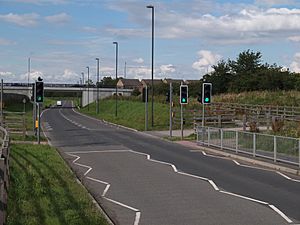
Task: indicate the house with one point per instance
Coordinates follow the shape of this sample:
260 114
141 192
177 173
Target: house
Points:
169 80
148 82
129 84
191 81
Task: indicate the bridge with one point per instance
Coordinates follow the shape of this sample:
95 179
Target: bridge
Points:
88 95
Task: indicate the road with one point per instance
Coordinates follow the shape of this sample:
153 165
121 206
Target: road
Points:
140 179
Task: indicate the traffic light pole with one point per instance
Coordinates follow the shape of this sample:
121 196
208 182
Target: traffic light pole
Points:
146 108
39 123
171 105
181 121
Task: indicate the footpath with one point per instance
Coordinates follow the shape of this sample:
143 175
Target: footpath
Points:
287 168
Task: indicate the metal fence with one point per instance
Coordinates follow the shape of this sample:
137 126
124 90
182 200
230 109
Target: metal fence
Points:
4 173
277 148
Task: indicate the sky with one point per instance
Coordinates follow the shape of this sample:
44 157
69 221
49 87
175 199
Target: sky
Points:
63 37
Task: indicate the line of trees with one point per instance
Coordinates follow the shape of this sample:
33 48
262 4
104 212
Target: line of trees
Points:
248 73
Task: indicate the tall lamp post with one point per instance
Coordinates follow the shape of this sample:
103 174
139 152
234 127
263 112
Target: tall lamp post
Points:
116 43
152 65
82 78
88 87
98 65
29 60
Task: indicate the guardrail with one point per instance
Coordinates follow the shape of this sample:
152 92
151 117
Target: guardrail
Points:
276 148
4 173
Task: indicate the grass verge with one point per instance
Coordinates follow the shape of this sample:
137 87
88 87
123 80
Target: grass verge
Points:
44 191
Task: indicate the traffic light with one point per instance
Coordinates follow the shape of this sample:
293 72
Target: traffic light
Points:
184 94
168 97
206 93
39 91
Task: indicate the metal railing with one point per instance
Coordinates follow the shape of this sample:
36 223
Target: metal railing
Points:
4 173
276 148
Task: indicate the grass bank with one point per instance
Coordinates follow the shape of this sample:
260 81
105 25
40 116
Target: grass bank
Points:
44 191
130 113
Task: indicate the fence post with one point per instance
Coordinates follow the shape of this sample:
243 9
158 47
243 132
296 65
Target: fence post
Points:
236 141
275 149
221 138
299 152
254 144
219 121
208 136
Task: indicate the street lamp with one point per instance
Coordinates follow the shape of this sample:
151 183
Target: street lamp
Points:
116 43
152 65
82 73
29 60
88 87
98 65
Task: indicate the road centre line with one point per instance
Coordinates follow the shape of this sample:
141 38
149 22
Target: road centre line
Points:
211 182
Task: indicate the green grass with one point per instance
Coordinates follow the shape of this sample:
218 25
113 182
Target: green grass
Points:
131 113
43 190
281 98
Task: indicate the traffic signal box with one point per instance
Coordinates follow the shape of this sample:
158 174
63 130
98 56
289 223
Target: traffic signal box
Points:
184 94
206 93
39 91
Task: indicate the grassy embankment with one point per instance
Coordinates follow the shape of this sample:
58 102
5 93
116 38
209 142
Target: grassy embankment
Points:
131 112
42 188
44 191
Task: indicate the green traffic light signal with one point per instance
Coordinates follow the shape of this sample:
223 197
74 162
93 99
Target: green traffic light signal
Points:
183 100
206 100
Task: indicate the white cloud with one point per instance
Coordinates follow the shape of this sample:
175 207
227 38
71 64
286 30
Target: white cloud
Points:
295 65
6 42
139 72
169 68
60 18
41 2
24 20
294 38
244 24
275 2
138 60
206 60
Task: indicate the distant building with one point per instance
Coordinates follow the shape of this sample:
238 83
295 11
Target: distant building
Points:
191 81
169 80
148 82
129 84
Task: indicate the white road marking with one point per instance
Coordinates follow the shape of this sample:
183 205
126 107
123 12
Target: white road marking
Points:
214 185
137 212
244 197
281 213
247 166
287 177
236 162
148 157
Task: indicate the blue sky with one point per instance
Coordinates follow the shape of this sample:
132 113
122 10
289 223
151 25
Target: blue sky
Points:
62 37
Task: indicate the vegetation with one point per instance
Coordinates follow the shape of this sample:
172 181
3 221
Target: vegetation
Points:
44 191
130 113
248 73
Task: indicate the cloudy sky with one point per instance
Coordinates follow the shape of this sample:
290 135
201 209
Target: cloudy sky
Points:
62 37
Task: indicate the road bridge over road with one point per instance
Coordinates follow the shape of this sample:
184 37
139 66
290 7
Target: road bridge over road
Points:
88 95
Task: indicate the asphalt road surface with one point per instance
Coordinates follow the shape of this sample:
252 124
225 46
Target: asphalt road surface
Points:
140 179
